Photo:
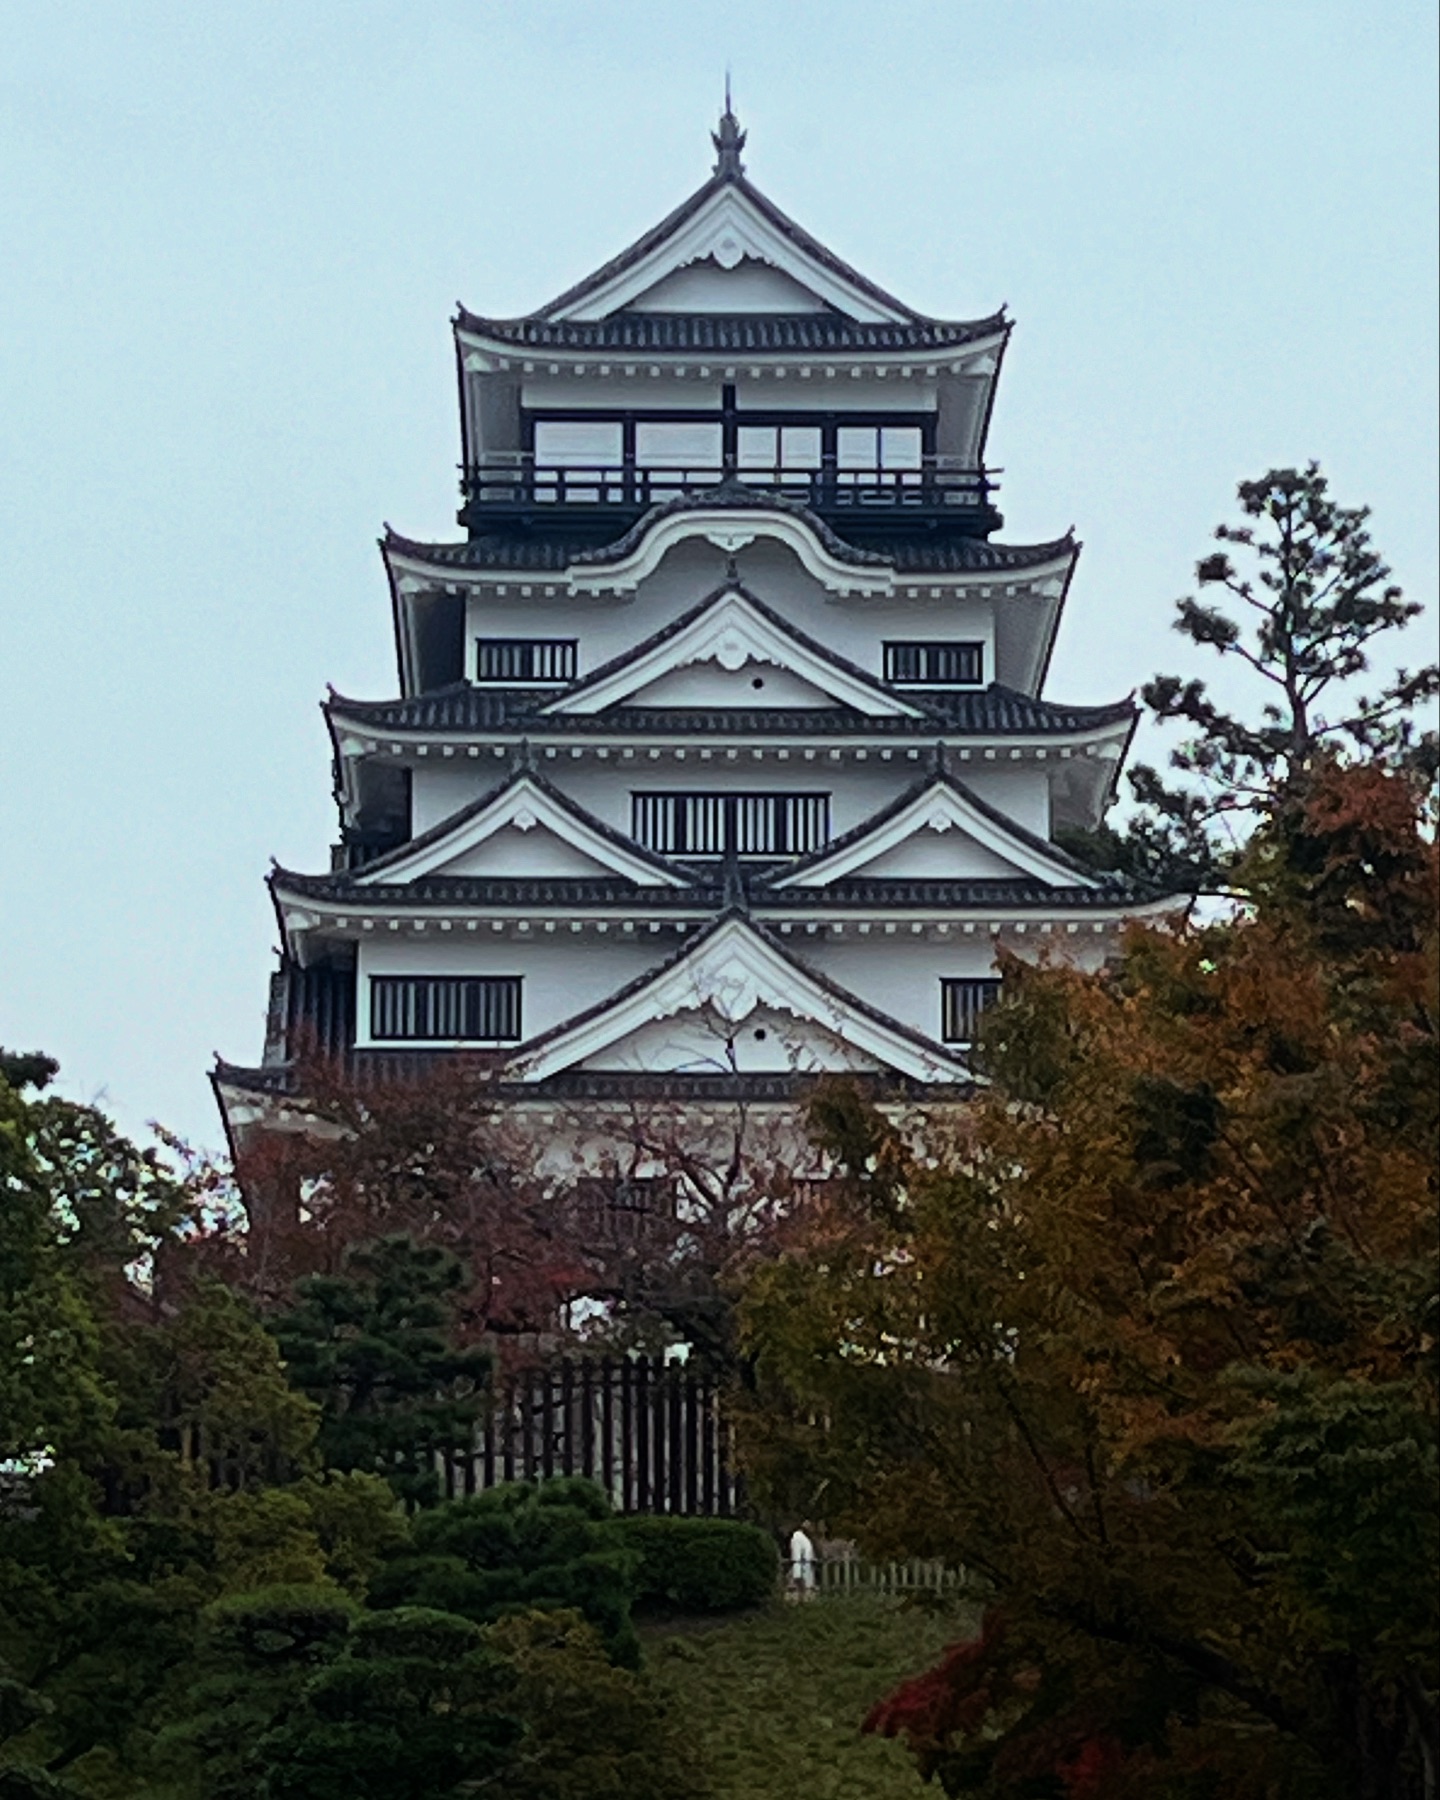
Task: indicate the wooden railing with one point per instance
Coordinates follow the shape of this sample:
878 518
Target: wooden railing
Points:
838 1575
506 479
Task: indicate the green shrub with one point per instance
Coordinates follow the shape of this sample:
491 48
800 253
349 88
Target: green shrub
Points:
519 1547
592 1731
701 1565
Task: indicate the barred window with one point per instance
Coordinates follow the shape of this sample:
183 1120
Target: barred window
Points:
935 664
962 1000
688 824
525 659
449 1008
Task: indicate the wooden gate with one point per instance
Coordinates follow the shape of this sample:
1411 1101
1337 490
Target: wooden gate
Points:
651 1433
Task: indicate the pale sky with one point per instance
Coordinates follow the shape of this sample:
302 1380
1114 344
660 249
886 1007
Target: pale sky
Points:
231 238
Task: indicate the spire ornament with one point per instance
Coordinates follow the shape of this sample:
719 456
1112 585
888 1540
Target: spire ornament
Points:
729 140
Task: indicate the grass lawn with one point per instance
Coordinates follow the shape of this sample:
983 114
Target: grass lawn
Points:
776 1697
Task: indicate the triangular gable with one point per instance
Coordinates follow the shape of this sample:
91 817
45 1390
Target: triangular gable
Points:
939 832
734 632
524 829
727 222
697 1042
708 287
730 972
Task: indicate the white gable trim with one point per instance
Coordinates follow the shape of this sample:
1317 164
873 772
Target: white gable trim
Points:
524 806
938 808
732 633
728 227
732 971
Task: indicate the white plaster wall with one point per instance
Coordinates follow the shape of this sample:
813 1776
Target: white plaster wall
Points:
536 854
769 1041
854 793
939 856
619 392
852 629
441 788
1022 792
901 975
750 287
561 977
706 684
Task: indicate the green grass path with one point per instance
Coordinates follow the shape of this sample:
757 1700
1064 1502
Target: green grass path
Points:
776 1698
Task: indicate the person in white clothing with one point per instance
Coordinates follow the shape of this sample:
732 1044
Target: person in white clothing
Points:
802 1563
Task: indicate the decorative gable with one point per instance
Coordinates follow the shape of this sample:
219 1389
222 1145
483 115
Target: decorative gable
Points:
731 980
525 830
697 1041
727 223
736 652
942 832
748 286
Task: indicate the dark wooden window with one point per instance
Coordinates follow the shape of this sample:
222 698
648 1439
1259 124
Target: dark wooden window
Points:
481 1009
962 1000
730 824
625 1208
525 659
935 664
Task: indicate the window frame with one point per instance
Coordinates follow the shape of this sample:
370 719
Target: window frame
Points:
928 647
570 659
511 1008
810 829
956 1013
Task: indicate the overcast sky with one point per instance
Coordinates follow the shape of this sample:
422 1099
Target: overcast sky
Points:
231 237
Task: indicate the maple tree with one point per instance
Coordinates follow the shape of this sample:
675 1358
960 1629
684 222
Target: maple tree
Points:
1150 1348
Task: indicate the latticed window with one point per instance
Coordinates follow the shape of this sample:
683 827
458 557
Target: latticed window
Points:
687 824
445 1008
939 664
962 1000
525 659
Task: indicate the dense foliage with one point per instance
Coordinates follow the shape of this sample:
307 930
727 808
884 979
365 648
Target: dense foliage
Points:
701 1565
210 1586
1153 1350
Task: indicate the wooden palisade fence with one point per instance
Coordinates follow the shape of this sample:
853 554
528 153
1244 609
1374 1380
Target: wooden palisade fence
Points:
651 1433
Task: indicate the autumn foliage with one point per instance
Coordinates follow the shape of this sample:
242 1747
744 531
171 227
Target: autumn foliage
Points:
1151 1351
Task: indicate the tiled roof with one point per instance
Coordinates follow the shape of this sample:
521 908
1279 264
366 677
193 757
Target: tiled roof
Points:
672 222
377 1067
744 333
971 712
937 553
708 893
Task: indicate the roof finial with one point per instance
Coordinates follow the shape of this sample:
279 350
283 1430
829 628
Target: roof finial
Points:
729 140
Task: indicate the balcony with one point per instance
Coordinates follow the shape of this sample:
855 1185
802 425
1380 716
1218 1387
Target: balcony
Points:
517 488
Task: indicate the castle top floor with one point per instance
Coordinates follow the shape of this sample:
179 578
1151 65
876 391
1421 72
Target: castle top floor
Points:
727 345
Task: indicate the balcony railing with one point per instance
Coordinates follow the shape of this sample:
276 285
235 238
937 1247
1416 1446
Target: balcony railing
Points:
940 485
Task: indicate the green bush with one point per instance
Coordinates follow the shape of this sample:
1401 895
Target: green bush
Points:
701 1565
519 1547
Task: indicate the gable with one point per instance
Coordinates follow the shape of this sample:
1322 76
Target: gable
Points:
749 286
698 1041
941 833
727 225
731 636
524 830
525 852
708 683
939 851
730 980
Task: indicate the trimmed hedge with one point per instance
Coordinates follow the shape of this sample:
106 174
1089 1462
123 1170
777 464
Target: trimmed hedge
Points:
700 1565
